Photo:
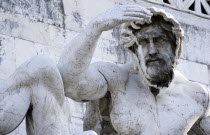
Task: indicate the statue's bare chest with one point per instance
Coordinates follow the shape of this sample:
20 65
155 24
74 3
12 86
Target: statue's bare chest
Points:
136 111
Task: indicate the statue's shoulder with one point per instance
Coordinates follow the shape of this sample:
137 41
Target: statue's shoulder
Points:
112 72
182 80
195 90
200 94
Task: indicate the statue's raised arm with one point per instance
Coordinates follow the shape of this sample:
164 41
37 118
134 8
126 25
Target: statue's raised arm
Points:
74 63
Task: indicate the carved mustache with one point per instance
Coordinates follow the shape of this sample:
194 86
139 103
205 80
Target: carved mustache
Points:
158 57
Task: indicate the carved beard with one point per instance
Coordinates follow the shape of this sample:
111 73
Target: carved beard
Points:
159 69
159 73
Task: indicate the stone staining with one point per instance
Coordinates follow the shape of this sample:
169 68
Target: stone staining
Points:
77 18
46 11
0 52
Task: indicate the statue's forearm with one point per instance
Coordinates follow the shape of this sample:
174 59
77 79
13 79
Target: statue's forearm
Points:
77 56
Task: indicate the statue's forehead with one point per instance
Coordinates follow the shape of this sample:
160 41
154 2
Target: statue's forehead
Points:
150 30
149 27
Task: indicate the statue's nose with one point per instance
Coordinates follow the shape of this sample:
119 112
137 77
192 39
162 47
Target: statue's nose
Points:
152 50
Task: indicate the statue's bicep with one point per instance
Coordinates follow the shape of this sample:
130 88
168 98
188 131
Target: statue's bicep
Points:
93 86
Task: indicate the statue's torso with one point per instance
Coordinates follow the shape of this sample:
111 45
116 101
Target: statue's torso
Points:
132 109
135 110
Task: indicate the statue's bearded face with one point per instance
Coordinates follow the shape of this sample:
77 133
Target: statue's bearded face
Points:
158 52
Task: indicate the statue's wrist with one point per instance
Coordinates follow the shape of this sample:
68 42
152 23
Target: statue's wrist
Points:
94 28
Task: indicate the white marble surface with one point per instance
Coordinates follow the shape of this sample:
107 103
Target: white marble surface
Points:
134 108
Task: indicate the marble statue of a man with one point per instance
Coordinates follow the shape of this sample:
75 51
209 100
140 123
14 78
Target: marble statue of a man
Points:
147 97
37 90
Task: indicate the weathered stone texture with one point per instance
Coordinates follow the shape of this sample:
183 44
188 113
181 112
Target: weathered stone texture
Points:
82 11
7 56
47 11
109 50
24 28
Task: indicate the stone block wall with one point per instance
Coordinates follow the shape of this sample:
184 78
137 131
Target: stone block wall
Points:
34 27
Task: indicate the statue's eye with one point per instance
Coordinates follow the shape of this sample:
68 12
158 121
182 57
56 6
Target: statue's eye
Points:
125 35
158 40
143 41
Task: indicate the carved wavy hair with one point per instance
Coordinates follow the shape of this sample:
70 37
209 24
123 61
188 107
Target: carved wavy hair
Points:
173 30
165 20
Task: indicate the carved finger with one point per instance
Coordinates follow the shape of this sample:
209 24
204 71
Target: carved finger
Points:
137 14
131 19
